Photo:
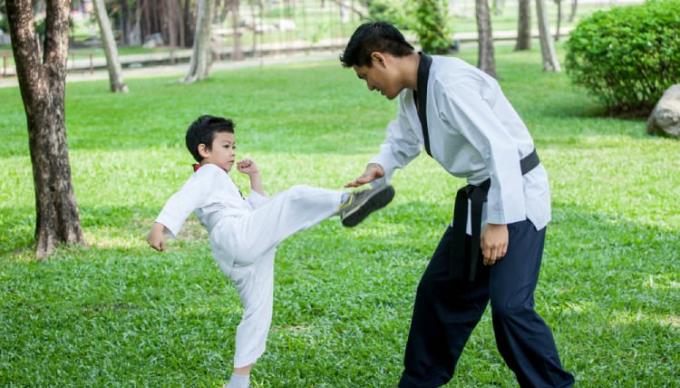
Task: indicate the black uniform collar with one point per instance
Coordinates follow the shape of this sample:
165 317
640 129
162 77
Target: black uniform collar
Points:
420 96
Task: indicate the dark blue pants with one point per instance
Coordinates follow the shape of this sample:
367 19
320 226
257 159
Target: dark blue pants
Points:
447 309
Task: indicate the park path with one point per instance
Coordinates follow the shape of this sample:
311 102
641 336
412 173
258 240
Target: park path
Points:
86 70
179 70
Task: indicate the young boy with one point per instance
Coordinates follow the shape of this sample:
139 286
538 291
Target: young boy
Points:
244 232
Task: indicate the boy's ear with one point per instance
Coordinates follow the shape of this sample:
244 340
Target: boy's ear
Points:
203 150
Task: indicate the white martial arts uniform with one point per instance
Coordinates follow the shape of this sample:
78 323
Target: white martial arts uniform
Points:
474 133
244 234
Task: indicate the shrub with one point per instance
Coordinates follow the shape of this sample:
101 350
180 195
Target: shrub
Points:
397 12
431 26
627 56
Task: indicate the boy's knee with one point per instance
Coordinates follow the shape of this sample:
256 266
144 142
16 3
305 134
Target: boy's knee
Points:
298 191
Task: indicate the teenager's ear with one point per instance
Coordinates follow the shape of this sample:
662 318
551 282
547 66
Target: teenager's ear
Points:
203 150
378 58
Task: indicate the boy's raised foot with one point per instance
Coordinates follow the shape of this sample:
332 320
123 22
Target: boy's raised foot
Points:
362 203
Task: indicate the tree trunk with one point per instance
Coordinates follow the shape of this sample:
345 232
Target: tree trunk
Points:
524 26
237 53
253 48
572 15
42 85
135 38
550 62
124 22
115 72
498 6
201 55
188 22
485 61
559 19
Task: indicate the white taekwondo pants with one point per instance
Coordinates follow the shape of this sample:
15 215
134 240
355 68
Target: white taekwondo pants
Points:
252 240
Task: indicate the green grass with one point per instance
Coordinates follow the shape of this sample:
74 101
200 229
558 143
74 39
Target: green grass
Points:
117 313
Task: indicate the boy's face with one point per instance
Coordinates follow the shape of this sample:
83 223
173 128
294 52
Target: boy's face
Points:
222 152
381 75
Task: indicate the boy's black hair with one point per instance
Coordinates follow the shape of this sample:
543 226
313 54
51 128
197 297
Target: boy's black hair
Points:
374 36
203 130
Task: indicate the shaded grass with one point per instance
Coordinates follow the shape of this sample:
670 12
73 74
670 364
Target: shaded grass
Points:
115 313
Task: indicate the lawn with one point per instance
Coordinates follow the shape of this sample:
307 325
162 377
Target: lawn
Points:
117 313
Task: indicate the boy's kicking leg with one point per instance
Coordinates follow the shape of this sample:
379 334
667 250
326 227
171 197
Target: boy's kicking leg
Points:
299 208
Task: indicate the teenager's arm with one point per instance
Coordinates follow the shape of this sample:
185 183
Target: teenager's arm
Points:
400 147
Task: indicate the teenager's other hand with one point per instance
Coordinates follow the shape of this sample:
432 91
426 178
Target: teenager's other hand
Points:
247 166
494 243
156 238
373 171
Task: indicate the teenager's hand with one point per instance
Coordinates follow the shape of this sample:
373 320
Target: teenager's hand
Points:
247 166
156 238
373 171
494 243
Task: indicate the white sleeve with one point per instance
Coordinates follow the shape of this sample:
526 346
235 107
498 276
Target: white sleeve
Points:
464 109
190 197
400 147
256 199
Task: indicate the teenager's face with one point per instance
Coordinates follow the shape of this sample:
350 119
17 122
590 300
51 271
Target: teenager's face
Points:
380 76
222 152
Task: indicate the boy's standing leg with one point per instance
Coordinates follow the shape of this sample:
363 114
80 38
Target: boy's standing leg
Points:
447 310
255 286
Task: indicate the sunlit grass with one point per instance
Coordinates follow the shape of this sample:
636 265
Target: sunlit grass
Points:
116 313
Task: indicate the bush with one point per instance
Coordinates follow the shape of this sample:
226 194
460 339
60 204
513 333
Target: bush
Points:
397 12
431 26
627 56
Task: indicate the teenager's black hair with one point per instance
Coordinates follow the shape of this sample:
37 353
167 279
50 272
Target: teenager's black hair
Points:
203 130
374 36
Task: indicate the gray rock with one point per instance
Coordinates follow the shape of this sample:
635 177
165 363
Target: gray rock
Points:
153 40
665 118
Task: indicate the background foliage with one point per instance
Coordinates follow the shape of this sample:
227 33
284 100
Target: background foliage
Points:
627 56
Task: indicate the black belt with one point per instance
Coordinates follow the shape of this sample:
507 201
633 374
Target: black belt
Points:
477 196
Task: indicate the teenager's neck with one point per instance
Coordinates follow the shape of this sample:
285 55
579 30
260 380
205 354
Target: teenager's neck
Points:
409 67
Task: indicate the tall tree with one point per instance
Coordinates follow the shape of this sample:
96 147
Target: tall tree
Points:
201 56
559 19
124 22
112 63
572 14
523 26
486 60
237 51
42 85
550 62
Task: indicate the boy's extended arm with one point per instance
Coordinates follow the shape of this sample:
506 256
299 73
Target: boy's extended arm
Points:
156 237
